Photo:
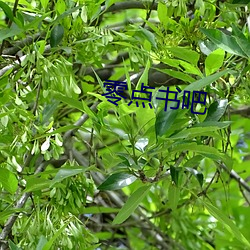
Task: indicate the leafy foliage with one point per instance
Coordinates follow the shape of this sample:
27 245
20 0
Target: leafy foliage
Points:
78 172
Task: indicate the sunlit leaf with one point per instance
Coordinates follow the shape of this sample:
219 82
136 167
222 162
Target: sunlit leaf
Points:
117 181
8 180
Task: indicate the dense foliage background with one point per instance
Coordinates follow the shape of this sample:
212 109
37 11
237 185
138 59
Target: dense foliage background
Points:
78 172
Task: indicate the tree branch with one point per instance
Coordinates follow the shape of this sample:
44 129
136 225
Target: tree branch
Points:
235 176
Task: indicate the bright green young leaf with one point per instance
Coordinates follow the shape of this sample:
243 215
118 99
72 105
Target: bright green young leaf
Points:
117 181
131 204
186 54
214 61
173 196
44 3
8 180
49 244
56 35
162 12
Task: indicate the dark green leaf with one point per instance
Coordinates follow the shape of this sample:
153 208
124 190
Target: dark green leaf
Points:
164 120
245 2
7 10
56 35
223 41
117 181
174 172
198 175
216 110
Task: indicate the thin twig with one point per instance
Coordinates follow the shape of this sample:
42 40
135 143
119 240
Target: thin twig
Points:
148 14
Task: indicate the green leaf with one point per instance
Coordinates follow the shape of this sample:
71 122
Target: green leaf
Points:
68 12
98 210
49 244
245 2
13 31
223 41
219 125
8 180
49 110
13 246
177 74
173 196
216 110
41 243
70 101
7 10
197 85
56 35
162 12
186 54
117 181
132 203
9 211
35 184
174 172
66 172
193 132
214 61
44 3
164 120
227 223
198 175
147 35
